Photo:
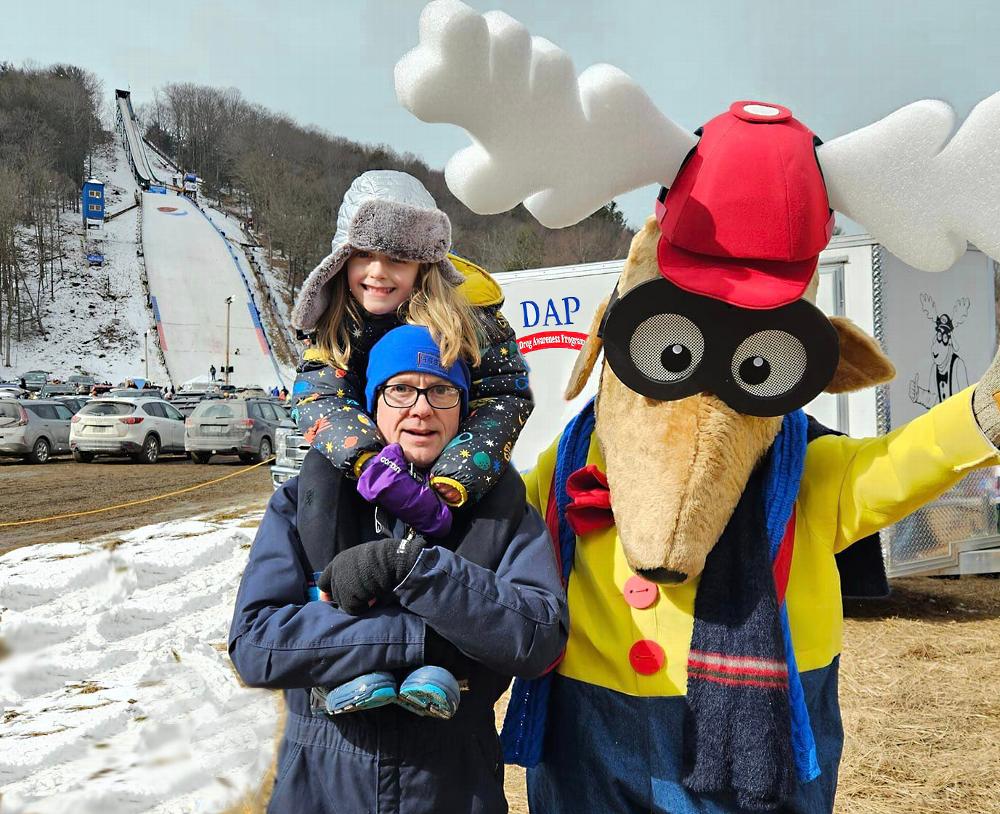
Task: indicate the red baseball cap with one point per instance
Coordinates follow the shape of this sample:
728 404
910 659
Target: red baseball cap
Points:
748 214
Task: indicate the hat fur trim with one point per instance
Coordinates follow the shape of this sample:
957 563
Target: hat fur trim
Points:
400 230
314 296
388 227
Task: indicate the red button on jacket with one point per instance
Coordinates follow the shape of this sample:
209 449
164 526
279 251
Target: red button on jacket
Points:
646 657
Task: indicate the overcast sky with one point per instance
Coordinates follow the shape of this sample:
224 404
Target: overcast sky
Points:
838 64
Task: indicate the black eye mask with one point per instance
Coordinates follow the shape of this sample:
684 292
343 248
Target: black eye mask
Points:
668 344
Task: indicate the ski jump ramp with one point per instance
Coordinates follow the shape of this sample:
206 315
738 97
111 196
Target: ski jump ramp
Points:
191 271
133 139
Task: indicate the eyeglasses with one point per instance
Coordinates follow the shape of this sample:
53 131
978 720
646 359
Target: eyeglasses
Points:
439 396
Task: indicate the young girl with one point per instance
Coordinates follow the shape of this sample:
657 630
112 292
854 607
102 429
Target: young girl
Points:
390 265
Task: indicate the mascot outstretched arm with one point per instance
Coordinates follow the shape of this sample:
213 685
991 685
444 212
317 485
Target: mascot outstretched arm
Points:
696 509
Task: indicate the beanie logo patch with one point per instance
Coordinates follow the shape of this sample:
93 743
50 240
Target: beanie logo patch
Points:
425 359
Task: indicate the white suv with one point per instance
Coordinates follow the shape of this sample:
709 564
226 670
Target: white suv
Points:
139 427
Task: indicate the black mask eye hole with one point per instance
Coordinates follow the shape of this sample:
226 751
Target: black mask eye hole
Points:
666 347
676 358
755 370
769 363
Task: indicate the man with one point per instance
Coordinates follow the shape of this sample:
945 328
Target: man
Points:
481 598
211 372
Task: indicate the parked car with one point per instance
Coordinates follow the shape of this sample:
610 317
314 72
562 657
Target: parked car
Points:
141 428
82 382
74 403
35 379
12 390
187 400
251 392
34 429
50 390
243 427
290 449
133 393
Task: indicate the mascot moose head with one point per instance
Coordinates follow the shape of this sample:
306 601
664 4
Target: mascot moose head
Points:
727 510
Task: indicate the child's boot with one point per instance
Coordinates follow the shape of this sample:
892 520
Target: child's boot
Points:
430 691
364 692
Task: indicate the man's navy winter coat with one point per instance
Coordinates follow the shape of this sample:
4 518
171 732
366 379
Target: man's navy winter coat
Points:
508 617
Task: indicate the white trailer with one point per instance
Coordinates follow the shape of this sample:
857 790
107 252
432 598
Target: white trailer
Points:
551 310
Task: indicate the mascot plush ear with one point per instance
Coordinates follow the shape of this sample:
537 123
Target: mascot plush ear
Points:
587 357
862 363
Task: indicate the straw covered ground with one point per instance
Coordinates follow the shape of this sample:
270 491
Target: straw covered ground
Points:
920 693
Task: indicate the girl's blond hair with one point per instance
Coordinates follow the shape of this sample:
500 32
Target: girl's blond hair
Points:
433 303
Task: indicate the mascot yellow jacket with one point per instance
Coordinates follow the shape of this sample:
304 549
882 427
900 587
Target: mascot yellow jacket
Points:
850 488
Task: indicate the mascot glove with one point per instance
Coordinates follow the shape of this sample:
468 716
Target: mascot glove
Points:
360 576
387 482
984 401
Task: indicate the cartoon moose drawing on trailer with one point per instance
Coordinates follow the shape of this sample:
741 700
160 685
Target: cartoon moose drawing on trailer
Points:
696 510
948 374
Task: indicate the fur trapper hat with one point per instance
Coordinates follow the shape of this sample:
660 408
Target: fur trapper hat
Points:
387 212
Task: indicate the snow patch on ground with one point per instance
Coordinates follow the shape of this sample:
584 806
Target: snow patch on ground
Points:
118 694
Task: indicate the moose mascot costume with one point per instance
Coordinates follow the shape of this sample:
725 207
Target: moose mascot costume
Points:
696 510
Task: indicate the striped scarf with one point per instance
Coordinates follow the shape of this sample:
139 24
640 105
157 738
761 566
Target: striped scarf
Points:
747 730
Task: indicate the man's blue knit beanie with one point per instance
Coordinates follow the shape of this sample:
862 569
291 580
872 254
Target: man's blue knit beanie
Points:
410 349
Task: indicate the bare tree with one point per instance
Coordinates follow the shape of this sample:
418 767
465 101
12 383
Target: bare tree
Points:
292 179
49 126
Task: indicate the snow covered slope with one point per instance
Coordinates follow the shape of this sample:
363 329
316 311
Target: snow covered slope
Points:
94 318
191 271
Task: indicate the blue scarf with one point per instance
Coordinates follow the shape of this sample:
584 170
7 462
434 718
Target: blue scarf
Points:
524 726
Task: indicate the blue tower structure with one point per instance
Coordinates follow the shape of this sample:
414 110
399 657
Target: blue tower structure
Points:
93 204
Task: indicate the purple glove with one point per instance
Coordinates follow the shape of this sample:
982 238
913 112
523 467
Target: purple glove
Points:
386 481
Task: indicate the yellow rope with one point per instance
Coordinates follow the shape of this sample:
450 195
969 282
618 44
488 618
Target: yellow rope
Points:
136 502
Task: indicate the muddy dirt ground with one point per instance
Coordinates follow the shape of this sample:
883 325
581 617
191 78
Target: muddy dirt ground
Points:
920 697
30 492
920 672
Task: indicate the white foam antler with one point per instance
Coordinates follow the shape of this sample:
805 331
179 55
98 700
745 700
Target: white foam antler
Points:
563 145
918 193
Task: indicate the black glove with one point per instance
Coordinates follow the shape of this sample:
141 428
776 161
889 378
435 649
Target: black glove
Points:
358 577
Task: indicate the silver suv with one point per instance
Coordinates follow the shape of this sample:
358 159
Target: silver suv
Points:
290 448
139 427
34 429
243 427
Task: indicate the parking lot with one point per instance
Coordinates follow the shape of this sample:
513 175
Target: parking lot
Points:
61 486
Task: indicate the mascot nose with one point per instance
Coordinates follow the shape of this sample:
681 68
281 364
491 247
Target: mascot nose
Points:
664 576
